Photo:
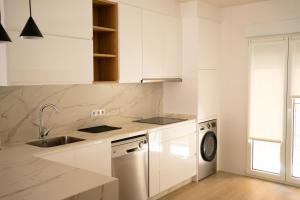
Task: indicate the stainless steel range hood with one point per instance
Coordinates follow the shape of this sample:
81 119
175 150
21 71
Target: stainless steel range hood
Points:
157 80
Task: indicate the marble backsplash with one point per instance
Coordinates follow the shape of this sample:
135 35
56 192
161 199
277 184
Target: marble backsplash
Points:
19 106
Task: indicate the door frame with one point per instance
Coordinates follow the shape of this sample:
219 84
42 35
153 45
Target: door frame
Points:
281 177
290 120
290 144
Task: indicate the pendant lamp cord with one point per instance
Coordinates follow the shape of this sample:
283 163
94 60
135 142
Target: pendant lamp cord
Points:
30 7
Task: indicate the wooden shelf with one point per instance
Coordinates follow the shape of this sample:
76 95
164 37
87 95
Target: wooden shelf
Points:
101 55
107 82
105 41
103 29
103 2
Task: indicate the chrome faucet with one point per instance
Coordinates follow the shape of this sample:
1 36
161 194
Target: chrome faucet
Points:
43 131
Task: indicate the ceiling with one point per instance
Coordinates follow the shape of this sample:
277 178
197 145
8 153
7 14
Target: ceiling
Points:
224 3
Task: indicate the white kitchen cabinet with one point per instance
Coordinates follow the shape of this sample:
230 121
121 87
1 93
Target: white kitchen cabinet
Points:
177 161
172 156
52 60
161 46
66 18
172 60
209 44
65 54
64 157
153 44
168 7
130 44
95 157
207 95
154 152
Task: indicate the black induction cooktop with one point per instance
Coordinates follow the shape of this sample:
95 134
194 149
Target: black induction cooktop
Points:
160 120
99 129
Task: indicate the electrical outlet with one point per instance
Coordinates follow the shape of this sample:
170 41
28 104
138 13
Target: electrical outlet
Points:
97 113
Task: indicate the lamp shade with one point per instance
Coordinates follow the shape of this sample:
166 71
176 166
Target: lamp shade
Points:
3 35
31 30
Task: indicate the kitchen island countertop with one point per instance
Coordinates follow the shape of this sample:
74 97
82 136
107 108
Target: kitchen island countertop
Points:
26 176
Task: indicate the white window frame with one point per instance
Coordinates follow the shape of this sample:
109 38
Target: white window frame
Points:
290 123
263 174
249 170
290 145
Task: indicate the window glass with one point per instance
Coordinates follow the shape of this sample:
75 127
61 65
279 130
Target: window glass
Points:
266 156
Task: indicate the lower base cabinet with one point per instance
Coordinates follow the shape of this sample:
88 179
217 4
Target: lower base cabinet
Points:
177 161
94 157
172 157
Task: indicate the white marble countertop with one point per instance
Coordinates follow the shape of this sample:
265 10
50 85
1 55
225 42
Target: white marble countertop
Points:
25 176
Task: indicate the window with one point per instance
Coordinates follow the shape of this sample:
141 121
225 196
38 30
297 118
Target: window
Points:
269 155
267 89
267 106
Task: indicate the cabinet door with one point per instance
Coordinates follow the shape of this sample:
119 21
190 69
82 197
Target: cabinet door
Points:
153 44
209 44
154 152
64 157
130 44
172 60
52 60
159 143
56 17
177 161
95 158
207 95
161 46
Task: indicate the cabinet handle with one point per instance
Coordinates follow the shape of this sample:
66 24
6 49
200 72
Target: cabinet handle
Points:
132 150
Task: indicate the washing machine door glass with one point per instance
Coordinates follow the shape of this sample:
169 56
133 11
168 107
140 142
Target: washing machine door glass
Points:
208 146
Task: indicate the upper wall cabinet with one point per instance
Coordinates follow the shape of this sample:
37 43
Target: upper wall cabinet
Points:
167 7
52 60
161 46
209 44
56 17
105 40
149 45
65 54
85 42
130 44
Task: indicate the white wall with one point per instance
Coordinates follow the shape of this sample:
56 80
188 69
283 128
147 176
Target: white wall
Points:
234 74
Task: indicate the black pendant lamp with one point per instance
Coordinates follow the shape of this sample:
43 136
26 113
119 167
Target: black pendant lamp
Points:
3 34
31 30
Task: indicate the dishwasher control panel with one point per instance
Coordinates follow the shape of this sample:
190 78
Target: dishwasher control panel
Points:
129 145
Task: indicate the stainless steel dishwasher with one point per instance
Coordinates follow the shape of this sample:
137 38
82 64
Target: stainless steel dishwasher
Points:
130 166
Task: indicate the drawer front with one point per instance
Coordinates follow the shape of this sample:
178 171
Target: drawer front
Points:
166 134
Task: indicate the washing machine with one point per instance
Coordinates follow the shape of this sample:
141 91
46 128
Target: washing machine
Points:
207 149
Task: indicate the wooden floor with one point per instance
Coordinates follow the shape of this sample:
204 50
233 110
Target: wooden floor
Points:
224 186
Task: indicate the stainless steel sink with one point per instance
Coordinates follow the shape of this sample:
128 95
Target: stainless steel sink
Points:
53 142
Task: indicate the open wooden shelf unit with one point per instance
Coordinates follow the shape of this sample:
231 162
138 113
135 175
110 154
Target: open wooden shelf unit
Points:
105 40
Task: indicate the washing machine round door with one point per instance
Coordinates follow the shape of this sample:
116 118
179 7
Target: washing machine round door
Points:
208 146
